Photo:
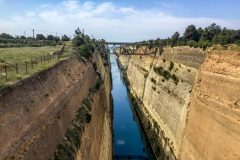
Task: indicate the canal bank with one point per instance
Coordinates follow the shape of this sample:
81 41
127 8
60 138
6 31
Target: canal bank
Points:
129 138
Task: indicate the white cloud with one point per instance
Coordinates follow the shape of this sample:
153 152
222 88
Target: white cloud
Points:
107 20
71 5
45 5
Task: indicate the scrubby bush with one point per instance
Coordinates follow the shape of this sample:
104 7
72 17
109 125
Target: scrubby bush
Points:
154 88
171 66
175 79
153 80
85 51
68 147
158 70
166 74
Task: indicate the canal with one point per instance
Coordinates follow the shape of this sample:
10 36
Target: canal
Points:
129 138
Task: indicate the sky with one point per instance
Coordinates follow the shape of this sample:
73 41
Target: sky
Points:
118 20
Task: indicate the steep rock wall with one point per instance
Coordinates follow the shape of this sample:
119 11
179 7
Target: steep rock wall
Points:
191 112
97 138
213 126
36 113
192 57
164 93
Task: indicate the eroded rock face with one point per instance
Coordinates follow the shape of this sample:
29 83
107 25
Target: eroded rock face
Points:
36 113
213 126
184 104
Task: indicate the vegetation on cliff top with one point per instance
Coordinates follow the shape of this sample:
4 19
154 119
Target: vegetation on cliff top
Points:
7 40
199 37
86 46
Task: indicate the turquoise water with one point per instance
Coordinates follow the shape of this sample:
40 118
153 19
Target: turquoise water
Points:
129 139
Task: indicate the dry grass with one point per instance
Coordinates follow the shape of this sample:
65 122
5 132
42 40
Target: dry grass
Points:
10 56
20 55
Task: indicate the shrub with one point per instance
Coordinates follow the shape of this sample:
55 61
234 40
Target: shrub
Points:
175 79
153 80
166 74
88 118
171 66
161 51
68 147
85 51
158 70
94 66
154 88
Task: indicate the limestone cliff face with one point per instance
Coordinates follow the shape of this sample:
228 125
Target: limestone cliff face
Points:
36 113
170 90
123 61
213 126
97 137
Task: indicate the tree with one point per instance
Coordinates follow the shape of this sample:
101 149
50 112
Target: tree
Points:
7 36
22 37
78 41
86 50
191 33
204 44
40 37
57 39
192 43
175 38
50 37
65 38
213 30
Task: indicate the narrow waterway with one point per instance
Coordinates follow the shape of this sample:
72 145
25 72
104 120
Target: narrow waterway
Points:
129 139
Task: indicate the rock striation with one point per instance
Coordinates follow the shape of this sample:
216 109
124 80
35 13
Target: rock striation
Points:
186 99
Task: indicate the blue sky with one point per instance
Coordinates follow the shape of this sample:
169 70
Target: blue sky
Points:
119 20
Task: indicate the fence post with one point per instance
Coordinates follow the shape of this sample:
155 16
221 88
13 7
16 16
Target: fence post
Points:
26 67
5 69
32 63
48 57
17 68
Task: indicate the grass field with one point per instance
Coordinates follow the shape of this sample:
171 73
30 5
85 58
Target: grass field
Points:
42 57
20 55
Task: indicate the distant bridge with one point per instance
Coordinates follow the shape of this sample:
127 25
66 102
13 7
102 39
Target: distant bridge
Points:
132 48
122 43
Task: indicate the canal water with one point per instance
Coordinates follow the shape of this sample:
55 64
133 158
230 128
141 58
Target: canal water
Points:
129 138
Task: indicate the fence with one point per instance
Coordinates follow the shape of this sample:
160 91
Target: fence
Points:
11 72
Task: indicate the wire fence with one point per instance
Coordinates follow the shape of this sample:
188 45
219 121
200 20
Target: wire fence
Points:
17 71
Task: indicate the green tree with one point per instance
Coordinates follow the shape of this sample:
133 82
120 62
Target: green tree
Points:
23 37
175 38
7 36
50 37
192 43
57 39
65 38
40 37
191 33
86 50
